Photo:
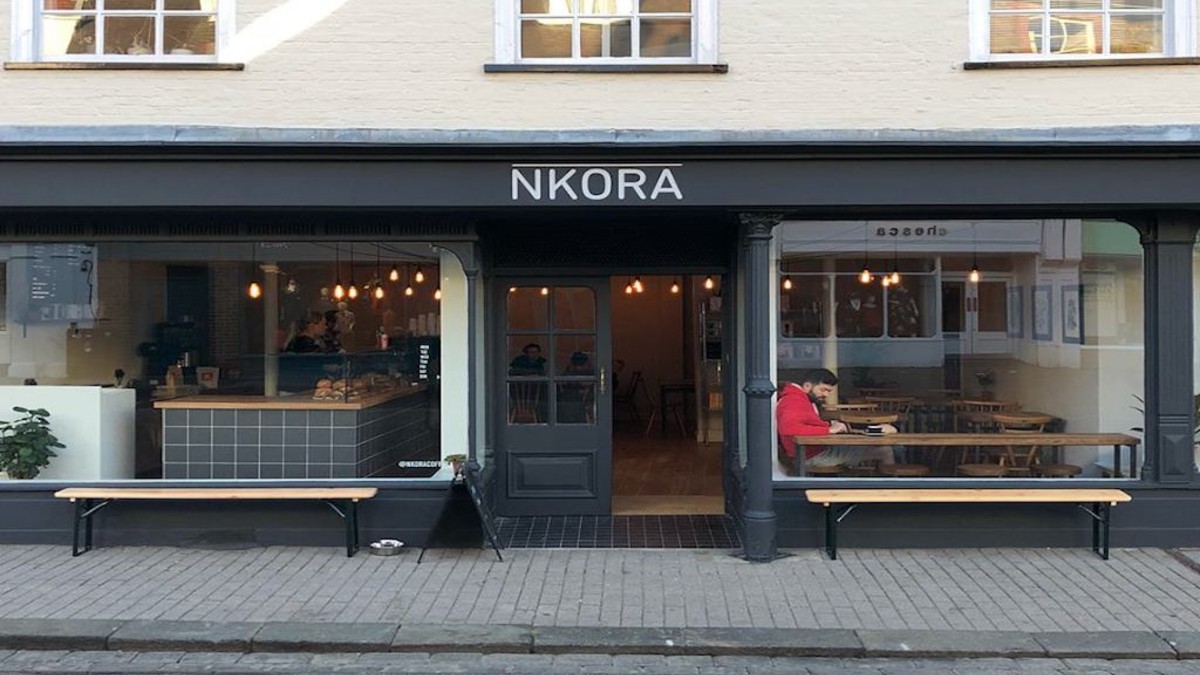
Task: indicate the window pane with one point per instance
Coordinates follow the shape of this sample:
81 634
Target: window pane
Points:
182 5
576 403
68 34
527 403
1076 4
69 5
605 39
859 308
129 4
545 39
803 307
1016 4
1079 34
1137 33
575 355
606 7
993 306
574 309
1137 4
527 354
666 38
911 307
954 307
1013 34
528 309
186 34
548 6
658 6
129 35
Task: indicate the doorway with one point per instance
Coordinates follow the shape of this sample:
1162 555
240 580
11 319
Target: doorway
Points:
667 396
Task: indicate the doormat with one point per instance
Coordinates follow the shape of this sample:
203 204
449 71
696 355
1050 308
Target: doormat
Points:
618 532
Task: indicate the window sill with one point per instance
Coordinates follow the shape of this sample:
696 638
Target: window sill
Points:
91 65
606 68
1083 63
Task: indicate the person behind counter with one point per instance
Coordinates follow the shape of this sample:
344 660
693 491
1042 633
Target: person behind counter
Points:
310 335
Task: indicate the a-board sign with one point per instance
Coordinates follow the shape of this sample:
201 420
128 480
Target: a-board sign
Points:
471 476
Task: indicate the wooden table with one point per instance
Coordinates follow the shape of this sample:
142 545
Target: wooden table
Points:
1117 441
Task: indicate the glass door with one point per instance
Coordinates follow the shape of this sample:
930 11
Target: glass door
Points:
553 359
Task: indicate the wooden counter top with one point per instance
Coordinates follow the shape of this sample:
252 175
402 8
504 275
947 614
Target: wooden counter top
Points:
296 402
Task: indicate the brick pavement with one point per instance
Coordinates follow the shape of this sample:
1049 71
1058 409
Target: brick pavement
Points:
965 589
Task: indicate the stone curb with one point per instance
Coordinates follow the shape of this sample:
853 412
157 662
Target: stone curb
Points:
301 637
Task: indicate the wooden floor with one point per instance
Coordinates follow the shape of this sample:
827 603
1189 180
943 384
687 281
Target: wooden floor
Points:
665 476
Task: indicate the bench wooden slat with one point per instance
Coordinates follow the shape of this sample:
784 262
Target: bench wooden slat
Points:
217 493
982 496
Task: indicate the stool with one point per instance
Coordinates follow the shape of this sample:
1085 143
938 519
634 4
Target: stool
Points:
904 470
826 471
982 470
1058 470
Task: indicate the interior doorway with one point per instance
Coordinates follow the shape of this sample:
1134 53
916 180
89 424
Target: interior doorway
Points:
668 396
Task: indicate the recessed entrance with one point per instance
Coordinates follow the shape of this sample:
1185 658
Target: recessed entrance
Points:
668 400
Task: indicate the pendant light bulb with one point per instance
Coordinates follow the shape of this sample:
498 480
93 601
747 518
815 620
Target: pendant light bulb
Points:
674 288
974 276
787 283
379 292
339 291
629 289
394 275
865 275
419 276
709 284
512 289
352 292
887 280
895 277
437 293
408 291
545 290
255 291
637 285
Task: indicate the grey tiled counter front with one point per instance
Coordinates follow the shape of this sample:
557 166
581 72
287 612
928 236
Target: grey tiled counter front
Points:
254 437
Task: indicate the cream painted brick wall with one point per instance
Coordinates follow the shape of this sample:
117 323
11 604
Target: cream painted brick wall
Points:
794 64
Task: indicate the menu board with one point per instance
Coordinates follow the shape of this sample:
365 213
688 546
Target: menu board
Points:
53 283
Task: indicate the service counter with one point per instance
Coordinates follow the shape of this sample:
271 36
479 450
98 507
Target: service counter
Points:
215 436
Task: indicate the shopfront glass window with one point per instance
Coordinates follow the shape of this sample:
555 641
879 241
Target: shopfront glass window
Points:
227 360
960 328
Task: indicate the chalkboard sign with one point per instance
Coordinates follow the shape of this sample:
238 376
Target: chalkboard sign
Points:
53 283
471 476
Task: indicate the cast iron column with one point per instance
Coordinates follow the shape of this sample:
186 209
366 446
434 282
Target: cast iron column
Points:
1167 241
758 515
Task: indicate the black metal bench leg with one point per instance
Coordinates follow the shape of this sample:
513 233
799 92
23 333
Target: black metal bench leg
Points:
830 532
1106 510
78 504
351 527
87 505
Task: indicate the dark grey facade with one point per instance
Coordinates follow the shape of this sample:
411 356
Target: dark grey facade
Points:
719 207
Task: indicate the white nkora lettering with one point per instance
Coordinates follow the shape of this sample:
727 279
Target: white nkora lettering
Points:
645 183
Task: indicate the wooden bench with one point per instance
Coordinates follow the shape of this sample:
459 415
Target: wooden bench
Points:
1101 502
87 501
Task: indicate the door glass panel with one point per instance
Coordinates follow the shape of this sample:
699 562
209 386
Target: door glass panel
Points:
952 308
527 355
576 403
528 309
574 309
527 403
575 355
993 306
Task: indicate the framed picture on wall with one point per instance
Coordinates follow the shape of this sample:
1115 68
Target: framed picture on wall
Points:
1072 311
1016 313
1043 317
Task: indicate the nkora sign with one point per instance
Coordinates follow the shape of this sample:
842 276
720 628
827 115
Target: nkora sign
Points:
595 182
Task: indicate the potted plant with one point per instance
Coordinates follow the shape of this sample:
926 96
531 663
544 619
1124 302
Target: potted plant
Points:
456 463
26 444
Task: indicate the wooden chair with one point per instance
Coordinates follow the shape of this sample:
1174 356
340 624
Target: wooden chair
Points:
627 400
1008 423
901 405
674 408
525 402
860 420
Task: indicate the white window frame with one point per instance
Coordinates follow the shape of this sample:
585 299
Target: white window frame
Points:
26 37
705 39
1179 40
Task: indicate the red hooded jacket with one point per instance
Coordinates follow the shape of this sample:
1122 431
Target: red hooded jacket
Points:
797 415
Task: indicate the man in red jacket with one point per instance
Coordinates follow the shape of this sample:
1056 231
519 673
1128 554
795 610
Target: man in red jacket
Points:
798 414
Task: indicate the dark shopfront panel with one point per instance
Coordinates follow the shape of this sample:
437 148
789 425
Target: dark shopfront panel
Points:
939 184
